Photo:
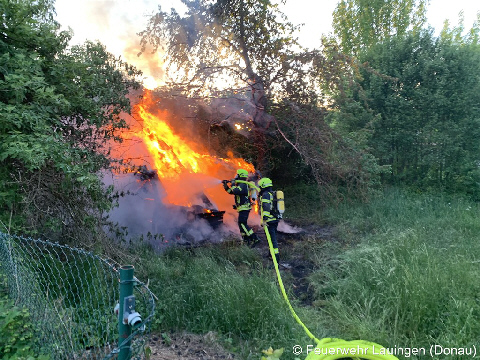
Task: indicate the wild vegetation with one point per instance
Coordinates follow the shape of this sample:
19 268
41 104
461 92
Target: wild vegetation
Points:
377 139
400 270
60 110
18 332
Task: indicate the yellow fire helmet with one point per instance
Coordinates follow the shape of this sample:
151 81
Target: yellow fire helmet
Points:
242 173
264 183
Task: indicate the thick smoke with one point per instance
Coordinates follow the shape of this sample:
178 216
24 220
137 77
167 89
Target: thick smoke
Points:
143 212
165 205
239 113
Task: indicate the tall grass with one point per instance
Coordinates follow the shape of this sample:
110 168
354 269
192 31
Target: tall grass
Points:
413 277
404 271
224 289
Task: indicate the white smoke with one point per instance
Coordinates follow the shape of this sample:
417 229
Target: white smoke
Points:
287 228
142 211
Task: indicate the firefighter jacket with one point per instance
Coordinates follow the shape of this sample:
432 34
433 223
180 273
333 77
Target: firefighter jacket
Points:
267 208
242 199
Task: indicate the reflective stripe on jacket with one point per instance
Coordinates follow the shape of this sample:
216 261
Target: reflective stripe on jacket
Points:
267 207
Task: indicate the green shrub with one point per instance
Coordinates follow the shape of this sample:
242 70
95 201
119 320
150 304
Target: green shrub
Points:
304 203
16 332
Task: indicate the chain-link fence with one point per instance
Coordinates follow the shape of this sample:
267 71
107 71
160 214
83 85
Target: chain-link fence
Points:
71 295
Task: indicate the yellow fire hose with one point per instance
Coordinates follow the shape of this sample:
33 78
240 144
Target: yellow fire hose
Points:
332 348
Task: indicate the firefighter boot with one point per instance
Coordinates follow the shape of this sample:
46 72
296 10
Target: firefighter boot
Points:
277 256
253 240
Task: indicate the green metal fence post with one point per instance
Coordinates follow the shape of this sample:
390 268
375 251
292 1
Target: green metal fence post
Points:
124 330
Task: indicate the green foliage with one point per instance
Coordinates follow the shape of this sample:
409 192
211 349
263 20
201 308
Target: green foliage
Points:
306 203
70 295
340 167
416 99
423 121
272 354
412 278
17 333
359 24
83 293
60 111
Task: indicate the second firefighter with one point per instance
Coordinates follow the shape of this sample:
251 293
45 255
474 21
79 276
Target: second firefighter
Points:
269 213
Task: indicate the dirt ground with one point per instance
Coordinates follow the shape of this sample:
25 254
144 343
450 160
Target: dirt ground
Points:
186 346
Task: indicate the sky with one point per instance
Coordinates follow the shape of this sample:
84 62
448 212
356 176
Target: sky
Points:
115 23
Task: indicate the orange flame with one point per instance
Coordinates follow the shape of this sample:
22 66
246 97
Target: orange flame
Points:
181 164
172 154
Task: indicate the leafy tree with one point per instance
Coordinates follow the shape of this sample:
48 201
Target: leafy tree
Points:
424 118
245 52
359 24
60 109
230 49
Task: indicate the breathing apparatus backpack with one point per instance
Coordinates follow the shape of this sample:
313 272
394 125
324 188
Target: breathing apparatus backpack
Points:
278 207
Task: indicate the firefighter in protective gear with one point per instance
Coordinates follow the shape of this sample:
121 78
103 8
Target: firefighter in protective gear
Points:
269 212
240 189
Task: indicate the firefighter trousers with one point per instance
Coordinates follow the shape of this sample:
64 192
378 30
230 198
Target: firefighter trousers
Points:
245 230
272 230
